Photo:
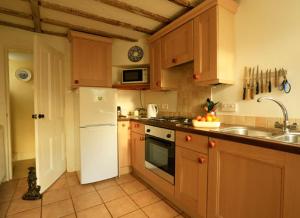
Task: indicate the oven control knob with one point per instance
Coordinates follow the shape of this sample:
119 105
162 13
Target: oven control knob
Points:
169 135
148 130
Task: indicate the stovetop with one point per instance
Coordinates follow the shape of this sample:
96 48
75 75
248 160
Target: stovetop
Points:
171 120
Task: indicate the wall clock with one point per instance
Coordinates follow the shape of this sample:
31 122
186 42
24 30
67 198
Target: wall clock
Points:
135 54
23 74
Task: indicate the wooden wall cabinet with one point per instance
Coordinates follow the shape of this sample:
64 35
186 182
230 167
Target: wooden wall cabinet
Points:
214 47
177 46
205 35
124 144
91 60
160 79
248 181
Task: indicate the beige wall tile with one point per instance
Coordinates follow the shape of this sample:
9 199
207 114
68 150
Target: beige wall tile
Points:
261 122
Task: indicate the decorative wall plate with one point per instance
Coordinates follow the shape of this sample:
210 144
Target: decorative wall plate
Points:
23 74
135 54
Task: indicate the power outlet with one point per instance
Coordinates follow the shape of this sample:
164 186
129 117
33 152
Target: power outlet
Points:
164 106
229 107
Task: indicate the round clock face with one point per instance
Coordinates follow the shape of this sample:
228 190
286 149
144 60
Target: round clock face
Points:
23 74
135 54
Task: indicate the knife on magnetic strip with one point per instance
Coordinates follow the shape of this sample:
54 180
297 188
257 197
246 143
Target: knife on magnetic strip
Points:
270 82
257 82
245 84
252 83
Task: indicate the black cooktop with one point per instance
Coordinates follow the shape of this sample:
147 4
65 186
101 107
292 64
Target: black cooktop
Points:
171 120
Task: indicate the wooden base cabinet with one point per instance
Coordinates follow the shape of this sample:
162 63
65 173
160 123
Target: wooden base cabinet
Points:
124 144
191 181
245 181
138 147
138 152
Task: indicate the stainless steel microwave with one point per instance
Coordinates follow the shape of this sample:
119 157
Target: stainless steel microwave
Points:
136 75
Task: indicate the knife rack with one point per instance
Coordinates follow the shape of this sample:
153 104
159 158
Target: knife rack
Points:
258 81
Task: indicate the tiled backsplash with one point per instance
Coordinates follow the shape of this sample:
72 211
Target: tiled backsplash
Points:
190 96
267 122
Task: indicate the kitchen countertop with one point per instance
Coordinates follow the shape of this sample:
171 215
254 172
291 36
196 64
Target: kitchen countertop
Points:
217 133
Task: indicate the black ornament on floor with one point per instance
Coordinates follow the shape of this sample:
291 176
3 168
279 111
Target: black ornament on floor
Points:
33 192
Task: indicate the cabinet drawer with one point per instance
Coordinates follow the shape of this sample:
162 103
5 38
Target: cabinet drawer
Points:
194 142
138 127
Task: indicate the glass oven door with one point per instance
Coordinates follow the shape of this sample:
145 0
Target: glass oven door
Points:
160 157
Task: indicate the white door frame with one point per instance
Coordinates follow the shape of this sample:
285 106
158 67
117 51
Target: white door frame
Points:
7 127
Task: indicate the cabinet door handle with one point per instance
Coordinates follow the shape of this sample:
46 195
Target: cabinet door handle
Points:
157 83
196 76
41 116
123 125
174 60
137 125
201 160
212 143
188 138
142 138
76 81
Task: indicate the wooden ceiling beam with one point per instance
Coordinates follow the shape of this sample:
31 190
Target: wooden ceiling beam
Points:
135 10
182 3
15 13
28 28
86 30
80 13
15 25
34 4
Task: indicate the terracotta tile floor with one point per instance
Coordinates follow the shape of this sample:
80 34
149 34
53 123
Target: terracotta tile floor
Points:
125 197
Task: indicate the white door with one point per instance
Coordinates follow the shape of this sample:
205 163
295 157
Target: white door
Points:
49 101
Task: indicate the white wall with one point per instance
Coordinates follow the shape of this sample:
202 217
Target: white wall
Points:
129 100
120 52
2 155
267 34
21 109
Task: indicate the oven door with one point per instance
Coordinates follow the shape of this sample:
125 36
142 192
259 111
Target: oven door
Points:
160 157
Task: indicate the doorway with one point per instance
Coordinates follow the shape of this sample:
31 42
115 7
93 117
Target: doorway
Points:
21 108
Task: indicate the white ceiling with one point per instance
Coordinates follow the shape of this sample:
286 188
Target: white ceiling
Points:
164 8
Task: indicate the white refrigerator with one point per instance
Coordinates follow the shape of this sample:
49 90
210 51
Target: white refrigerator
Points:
98 134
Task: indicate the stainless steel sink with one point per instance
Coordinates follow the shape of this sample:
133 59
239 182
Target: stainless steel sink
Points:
288 138
245 131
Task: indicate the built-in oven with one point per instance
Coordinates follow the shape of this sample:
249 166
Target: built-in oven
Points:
160 152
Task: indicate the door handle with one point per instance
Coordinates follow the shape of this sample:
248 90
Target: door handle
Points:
41 116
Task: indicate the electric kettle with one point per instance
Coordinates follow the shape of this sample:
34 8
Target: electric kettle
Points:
152 110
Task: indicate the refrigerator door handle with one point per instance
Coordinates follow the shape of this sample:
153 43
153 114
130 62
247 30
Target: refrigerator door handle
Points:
96 125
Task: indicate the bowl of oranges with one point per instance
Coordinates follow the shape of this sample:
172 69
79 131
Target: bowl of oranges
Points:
208 121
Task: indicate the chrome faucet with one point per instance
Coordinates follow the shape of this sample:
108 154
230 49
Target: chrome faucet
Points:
285 126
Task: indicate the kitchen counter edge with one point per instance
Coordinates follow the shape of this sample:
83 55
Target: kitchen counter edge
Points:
254 141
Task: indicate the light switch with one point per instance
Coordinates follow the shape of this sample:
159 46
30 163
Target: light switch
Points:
229 107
